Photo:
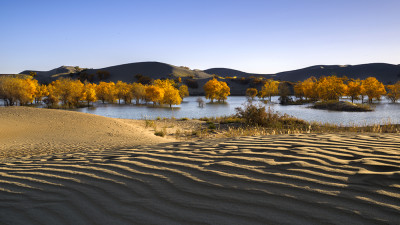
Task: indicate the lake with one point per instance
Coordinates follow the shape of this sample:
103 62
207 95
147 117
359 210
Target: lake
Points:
384 111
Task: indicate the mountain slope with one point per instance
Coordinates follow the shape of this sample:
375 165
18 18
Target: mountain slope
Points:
226 72
386 73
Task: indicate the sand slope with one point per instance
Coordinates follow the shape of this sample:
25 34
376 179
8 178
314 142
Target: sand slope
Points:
27 131
288 179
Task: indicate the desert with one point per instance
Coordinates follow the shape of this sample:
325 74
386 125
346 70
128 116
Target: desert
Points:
97 170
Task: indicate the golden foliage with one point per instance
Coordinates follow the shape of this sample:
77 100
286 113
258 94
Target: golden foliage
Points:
215 89
154 94
373 88
14 90
269 89
330 88
106 92
354 89
394 91
90 93
183 91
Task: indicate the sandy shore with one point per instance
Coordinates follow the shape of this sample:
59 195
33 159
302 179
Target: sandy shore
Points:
282 179
26 131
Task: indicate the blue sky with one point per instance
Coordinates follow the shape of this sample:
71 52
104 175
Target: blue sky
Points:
248 35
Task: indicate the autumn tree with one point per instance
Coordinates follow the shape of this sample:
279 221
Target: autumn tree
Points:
215 89
154 93
171 93
330 88
251 93
309 88
171 96
41 92
69 92
223 92
138 92
393 92
106 92
123 91
269 89
90 93
354 89
183 91
373 88
14 90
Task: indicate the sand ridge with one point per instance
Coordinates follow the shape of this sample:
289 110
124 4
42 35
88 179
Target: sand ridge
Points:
29 131
283 179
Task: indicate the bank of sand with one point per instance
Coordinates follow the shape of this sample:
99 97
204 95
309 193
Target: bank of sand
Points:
283 179
31 131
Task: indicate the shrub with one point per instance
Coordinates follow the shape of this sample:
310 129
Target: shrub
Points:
256 114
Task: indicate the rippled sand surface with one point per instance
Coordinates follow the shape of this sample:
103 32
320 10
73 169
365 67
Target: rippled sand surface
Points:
284 179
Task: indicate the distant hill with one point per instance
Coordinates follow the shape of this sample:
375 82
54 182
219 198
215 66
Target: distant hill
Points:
226 72
47 76
155 70
386 73
125 72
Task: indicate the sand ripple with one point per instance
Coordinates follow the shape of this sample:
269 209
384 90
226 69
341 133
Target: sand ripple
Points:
290 179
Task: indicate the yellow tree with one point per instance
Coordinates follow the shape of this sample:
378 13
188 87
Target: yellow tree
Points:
90 93
223 92
309 88
394 92
373 88
106 92
269 89
41 92
183 91
138 92
211 89
27 90
354 89
154 94
251 92
53 95
330 88
171 93
171 96
123 91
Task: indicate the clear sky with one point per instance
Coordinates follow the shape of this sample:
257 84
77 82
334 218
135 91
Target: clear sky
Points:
249 35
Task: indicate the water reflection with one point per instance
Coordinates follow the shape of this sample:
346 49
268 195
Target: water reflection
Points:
384 111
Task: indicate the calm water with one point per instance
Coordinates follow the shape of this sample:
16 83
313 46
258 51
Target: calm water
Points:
384 111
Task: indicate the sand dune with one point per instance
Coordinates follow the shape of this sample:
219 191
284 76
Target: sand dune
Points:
31 131
287 179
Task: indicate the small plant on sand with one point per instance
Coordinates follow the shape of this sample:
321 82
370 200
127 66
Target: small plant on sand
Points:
161 133
149 123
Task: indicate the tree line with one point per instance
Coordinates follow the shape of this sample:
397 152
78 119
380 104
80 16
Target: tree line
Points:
329 88
71 93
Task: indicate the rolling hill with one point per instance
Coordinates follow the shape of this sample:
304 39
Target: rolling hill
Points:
386 73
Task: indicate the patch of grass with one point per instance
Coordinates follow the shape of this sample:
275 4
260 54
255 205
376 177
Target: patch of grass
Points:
161 133
149 123
184 118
